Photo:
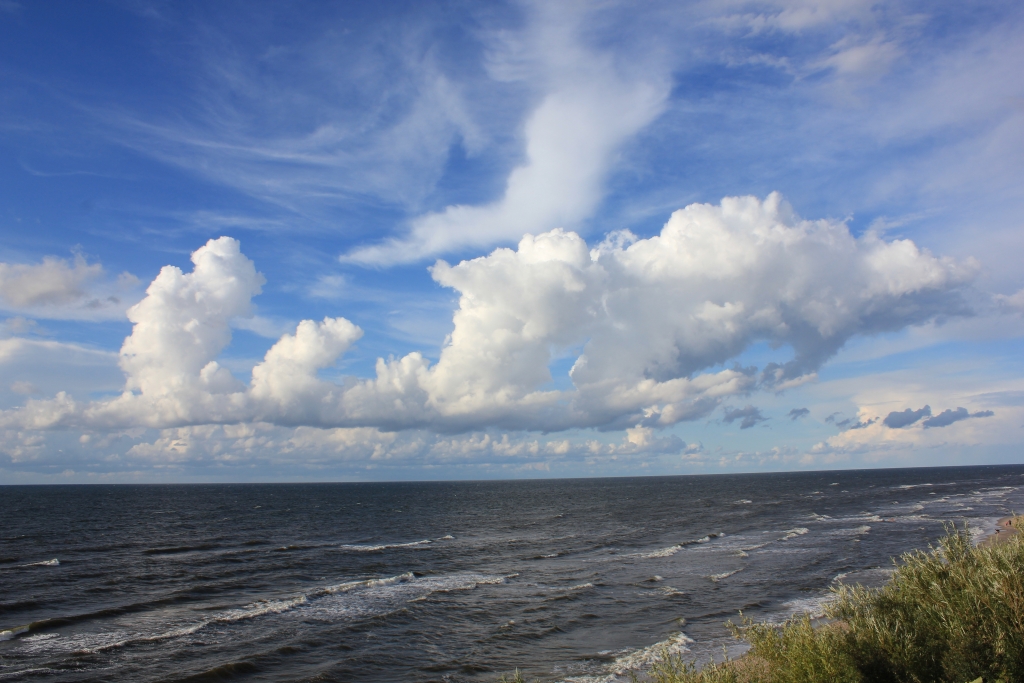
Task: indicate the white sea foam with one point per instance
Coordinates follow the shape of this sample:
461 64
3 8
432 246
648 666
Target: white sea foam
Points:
385 546
581 586
793 533
44 563
673 549
812 607
638 661
12 632
352 599
351 585
724 575
748 548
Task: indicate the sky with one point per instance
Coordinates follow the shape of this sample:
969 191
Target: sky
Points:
306 241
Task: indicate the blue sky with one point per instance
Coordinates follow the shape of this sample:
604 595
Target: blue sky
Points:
532 239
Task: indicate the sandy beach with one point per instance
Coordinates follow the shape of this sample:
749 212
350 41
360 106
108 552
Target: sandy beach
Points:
1006 528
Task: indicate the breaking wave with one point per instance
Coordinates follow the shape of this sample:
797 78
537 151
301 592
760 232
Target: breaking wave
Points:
672 550
351 599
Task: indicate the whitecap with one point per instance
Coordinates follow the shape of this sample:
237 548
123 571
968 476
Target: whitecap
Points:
13 632
44 563
385 546
673 549
724 575
793 533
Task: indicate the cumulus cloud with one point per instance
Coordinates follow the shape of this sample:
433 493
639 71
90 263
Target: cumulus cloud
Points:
657 320
905 418
750 416
60 288
592 105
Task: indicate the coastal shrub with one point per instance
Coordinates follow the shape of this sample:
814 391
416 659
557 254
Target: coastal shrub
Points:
950 615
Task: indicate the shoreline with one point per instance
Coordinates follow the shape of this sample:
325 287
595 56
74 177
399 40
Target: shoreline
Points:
1006 528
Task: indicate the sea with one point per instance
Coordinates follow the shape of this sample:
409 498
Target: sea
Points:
575 580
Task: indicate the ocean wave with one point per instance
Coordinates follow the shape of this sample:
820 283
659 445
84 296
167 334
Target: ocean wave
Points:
177 550
10 633
386 546
872 577
43 563
672 550
365 583
637 661
352 599
811 607
748 548
724 575
18 675
793 533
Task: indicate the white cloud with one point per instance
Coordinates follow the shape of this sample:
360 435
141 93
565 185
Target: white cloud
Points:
182 324
63 289
591 105
1014 303
43 367
656 320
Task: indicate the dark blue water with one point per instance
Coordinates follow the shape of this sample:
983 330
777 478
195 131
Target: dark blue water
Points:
582 580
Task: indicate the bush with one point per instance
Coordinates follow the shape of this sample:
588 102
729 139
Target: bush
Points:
950 615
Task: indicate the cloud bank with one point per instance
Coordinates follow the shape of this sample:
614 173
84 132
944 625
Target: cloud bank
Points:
652 324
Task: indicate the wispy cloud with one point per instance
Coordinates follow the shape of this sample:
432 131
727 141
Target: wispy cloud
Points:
591 105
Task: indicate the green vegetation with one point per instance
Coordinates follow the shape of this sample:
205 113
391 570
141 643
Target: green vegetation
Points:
954 614
950 615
